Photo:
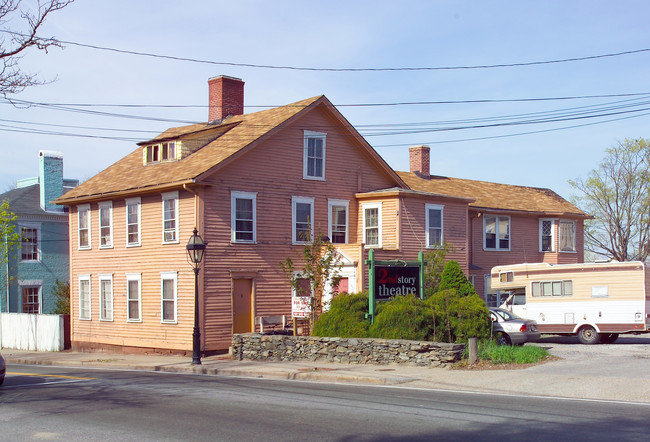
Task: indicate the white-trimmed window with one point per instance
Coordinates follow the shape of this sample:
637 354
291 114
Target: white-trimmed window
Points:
243 217
496 232
433 220
133 297
168 297
84 297
30 235
83 212
567 235
106 225
372 224
547 235
105 297
170 217
31 299
338 221
314 156
302 217
133 216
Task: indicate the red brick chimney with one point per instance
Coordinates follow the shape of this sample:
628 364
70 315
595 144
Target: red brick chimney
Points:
226 97
419 160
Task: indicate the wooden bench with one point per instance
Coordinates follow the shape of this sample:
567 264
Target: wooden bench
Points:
271 321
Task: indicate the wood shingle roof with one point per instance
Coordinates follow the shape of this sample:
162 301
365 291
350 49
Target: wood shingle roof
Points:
495 196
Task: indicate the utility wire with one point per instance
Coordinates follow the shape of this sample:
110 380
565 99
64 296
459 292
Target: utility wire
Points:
321 69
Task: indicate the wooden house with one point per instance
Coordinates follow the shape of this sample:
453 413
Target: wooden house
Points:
255 186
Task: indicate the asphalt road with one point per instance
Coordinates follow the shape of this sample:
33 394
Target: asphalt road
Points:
48 403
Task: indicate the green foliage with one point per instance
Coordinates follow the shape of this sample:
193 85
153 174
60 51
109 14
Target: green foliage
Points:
61 292
346 317
617 194
321 264
403 317
9 239
488 350
435 259
454 278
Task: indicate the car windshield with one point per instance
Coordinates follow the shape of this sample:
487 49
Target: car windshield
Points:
505 314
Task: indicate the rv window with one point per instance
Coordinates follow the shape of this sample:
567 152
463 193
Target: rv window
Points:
536 291
547 289
506 276
519 299
567 288
557 288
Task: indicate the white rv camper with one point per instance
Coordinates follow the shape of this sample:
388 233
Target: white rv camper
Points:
595 301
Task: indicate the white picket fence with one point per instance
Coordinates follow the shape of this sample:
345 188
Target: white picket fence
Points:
24 331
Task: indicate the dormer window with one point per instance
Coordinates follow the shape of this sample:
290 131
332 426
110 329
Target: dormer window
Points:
157 153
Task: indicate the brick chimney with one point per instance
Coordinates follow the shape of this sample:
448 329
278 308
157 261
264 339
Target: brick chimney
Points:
226 97
419 160
50 179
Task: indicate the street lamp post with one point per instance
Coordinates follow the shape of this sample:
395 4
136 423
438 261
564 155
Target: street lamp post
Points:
196 250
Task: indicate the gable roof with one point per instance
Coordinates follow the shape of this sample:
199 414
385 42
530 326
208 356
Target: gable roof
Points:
26 202
232 136
494 196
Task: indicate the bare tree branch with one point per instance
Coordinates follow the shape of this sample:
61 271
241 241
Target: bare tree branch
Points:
12 79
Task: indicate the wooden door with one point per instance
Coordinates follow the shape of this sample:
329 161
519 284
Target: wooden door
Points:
242 305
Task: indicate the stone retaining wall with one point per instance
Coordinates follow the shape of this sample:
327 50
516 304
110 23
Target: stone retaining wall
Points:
255 346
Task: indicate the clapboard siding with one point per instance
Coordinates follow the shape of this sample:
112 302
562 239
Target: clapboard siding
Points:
524 246
149 260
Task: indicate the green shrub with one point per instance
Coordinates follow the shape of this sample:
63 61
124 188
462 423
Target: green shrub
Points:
454 278
403 317
346 317
458 318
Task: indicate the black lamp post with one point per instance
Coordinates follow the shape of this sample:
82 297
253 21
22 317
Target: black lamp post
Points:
195 250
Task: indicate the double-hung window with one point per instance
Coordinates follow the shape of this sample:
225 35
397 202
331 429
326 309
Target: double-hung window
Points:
496 232
567 236
170 217
29 243
31 299
302 217
84 297
372 224
105 297
314 156
133 297
168 297
83 212
546 235
133 214
243 220
106 225
338 221
433 219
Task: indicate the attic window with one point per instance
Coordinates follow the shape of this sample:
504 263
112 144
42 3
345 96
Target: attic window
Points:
157 153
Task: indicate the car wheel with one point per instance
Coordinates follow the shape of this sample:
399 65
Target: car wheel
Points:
503 339
587 335
608 338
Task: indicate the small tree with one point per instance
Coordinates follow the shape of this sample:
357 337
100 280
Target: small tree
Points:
617 194
346 317
61 292
9 242
321 263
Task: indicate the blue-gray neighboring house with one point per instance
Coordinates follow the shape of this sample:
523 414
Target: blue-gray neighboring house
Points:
44 253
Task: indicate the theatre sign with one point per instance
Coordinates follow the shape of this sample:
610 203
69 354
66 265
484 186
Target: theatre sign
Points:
387 279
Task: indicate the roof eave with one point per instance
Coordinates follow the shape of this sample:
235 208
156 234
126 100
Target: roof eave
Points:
124 193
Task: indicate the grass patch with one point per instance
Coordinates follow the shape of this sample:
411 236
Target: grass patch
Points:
490 352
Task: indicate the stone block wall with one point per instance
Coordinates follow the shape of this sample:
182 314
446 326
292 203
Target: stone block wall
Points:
255 346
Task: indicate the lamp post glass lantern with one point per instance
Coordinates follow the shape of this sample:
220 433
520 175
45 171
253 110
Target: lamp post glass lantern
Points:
195 251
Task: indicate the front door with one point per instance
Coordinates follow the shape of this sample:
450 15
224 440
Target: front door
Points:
242 305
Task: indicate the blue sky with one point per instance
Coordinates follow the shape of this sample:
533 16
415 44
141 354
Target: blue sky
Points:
350 34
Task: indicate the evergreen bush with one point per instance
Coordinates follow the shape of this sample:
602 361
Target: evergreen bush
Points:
346 317
403 317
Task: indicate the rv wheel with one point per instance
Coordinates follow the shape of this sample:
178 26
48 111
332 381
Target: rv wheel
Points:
587 335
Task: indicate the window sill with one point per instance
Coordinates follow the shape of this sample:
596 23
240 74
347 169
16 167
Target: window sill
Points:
170 242
105 247
133 245
169 322
105 320
134 321
243 242
85 319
